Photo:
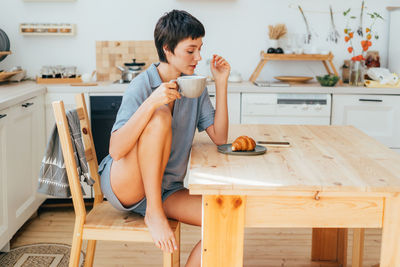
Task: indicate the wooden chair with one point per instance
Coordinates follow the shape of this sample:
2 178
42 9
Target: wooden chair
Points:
103 222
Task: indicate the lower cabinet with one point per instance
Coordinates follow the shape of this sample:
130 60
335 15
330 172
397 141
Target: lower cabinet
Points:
4 116
233 106
22 145
376 115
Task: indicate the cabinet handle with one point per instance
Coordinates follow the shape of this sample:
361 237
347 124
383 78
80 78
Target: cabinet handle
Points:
2 115
370 100
212 95
27 104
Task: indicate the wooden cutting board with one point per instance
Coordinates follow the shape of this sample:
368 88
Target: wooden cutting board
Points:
110 54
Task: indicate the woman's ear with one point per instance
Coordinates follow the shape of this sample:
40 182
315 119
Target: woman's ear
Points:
167 51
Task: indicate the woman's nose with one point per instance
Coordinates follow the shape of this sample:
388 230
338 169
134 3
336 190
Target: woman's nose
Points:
197 56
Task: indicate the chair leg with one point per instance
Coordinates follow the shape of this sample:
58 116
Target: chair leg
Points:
76 246
173 259
91 247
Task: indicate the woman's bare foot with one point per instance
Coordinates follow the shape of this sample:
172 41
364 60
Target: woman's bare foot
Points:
160 230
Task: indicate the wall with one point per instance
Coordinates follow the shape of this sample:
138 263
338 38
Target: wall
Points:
235 29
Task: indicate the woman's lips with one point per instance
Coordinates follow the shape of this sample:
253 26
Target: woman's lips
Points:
193 66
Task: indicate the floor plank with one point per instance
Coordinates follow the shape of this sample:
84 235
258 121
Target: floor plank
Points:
263 247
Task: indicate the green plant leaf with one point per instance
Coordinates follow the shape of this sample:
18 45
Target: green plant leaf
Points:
376 37
353 17
346 12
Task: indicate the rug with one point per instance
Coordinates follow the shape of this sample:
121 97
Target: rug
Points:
43 255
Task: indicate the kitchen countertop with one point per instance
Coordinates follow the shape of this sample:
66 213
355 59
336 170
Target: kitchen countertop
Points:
13 93
243 87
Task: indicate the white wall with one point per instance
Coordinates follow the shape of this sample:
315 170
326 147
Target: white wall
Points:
236 29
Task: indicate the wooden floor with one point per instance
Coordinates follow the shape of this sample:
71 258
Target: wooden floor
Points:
263 247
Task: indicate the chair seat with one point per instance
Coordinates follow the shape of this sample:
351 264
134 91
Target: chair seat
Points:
104 222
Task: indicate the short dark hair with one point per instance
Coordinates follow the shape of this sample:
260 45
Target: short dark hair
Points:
174 27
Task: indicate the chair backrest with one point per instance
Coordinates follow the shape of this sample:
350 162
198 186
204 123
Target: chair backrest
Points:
68 152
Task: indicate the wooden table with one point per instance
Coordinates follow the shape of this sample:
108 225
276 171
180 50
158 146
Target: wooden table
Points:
330 177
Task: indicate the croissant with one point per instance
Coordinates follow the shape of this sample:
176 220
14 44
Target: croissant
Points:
243 143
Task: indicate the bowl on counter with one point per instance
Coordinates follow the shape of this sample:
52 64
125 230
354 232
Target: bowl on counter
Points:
327 80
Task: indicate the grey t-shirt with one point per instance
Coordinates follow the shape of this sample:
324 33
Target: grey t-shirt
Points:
188 114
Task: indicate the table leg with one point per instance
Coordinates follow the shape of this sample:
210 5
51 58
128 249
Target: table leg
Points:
223 230
390 249
329 245
358 247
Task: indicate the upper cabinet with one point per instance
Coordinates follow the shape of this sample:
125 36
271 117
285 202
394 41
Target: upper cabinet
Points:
376 115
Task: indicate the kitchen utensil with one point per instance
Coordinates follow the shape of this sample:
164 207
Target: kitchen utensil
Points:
130 70
298 79
4 43
327 80
191 86
360 30
274 143
333 35
4 75
227 149
235 77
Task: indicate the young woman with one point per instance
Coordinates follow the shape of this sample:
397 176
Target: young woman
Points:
154 129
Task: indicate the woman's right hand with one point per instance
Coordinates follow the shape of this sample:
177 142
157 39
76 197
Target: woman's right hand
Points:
165 93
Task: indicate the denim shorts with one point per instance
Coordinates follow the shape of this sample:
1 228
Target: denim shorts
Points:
139 207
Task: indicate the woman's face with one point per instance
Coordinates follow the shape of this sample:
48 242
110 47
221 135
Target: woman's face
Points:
186 55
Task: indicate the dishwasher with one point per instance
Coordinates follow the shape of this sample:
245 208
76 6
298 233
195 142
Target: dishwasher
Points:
285 108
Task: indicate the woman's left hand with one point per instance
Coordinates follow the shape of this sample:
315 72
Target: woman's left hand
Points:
220 69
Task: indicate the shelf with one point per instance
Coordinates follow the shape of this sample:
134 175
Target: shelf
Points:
58 80
296 57
265 57
33 29
3 53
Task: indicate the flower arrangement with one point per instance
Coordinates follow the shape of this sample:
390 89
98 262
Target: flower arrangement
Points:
367 35
366 41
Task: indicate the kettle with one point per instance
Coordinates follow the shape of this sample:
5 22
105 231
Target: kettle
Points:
130 70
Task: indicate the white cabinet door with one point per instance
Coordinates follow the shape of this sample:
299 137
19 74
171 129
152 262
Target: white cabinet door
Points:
69 103
4 236
233 106
25 143
376 115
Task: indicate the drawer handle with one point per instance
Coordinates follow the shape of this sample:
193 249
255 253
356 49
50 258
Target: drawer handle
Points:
27 104
212 95
2 115
259 104
370 100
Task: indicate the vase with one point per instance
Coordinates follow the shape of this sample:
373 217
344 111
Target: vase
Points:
357 71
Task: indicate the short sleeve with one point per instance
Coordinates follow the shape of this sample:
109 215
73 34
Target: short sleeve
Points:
133 97
206 112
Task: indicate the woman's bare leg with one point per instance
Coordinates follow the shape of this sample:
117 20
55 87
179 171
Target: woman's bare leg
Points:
140 174
186 208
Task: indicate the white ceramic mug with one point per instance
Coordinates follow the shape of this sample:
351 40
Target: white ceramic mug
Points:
191 86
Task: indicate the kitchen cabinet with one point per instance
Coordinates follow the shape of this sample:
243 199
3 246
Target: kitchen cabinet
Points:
233 106
69 103
376 115
22 149
272 108
3 181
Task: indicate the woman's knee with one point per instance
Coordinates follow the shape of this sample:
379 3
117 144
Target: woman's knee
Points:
161 119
